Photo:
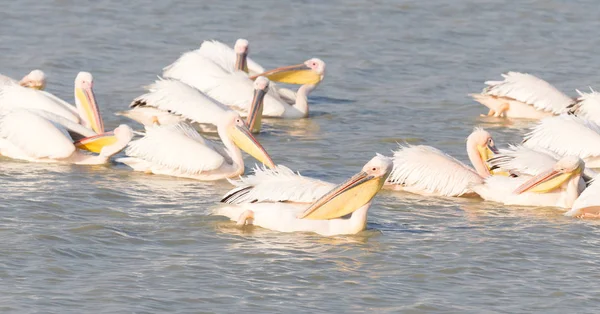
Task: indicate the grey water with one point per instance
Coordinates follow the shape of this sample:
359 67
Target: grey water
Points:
104 239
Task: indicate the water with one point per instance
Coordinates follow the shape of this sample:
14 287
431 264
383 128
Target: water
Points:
104 239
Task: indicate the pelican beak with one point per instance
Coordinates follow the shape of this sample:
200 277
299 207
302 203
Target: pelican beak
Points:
240 62
88 110
95 143
242 137
546 181
299 74
254 119
345 198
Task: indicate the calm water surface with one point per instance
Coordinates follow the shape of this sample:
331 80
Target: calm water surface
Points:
104 239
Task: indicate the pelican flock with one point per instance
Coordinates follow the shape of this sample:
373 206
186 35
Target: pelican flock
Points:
218 90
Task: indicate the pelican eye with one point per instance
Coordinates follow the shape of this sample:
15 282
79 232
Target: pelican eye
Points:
374 169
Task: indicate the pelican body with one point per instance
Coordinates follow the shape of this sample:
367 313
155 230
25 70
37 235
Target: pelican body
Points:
283 201
179 150
522 95
587 204
558 186
429 171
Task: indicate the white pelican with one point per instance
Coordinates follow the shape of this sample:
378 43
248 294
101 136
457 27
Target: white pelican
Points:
41 136
426 170
233 88
587 106
283 201
178 150
36 79
567 136
587 204
522 95
557 187
171 101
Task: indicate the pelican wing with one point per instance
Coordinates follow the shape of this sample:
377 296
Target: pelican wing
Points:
196 70
178 147
587 106
276 185
224 56
176 97
428 169
521 160
531 90
36 136
16 96
589 198
5 80
565 135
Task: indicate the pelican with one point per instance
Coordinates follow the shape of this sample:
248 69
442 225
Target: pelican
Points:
558 186
178 150
41 136
232 88
522 95
426 170
567 135
586 106
36 79
171 101
283 201
587 204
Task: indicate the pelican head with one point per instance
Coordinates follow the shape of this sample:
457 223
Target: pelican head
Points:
480 148
553 178
234 128
86 102
254 120
36 79
310 72
353 194
241 52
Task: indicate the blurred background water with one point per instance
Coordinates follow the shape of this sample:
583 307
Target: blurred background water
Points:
104 239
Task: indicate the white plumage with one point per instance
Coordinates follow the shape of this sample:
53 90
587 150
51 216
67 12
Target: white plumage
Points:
178 148
529 90
276 185
225 56
182 99
567 136
587 106
427 170
520 160
587 203
14 96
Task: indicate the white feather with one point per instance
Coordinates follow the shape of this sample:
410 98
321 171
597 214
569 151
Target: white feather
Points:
15 96
178 147
589 198
276 185
531 90
566 136
182 99
521 160
588 106
424 169
35 136
225 56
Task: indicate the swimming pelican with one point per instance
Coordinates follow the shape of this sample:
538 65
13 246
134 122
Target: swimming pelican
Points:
522 95
171 101
587 204
557 187
426 170
233 88
36 79
178 150
280 200
41 136
586 106
567 136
